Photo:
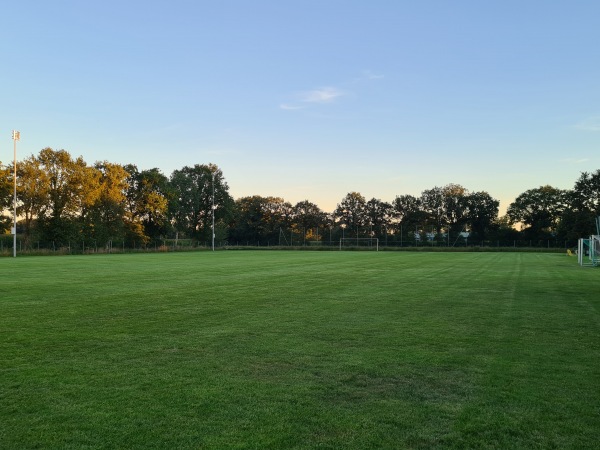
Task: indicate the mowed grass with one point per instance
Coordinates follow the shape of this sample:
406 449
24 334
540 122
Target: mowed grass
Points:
273 349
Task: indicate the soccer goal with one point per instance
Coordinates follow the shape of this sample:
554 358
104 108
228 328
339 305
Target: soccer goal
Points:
588 251
359 243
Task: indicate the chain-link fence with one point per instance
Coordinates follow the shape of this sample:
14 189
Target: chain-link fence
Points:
32 247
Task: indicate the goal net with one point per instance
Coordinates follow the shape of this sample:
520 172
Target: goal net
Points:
359 243
588 251
595 249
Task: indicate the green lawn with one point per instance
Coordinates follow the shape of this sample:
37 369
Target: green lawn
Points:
282 349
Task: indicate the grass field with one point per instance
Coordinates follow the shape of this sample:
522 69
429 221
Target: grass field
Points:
258 349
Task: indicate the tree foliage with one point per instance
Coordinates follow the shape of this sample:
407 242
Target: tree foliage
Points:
192 199
586 193
481 214
62 199
104 204
408 211
307 218
32 193
260 219
379 217
539 209
147 198
582 208
6 196
351 213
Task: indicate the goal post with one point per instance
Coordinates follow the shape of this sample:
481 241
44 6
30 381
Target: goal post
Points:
588 251
595 249
359 243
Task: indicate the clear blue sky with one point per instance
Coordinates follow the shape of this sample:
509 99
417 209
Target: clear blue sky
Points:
312 99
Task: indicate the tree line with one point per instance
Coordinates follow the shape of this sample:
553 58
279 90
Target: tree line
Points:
61 199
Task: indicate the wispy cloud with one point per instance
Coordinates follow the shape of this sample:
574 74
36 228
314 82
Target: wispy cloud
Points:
321 95
366 76
328 94
372 76
589 124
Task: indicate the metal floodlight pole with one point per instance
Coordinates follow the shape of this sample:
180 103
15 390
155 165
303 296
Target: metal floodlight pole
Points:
15 136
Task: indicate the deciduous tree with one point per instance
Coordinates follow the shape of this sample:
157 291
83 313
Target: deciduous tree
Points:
148 195
191 206
260 220
64 185
105 204
6 197
306 218
582 208
481 214
455 207
539 210
409 216
351 213
379 217
433 204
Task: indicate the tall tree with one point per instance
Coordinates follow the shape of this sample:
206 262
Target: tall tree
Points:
306 218
455 207
106 213
433 204
539 210
191 207
248 224
65 177
409 216
6 196
586 192
260 220
407 209
33 185
351 213
482 214
148 195
582 208
379 217
445 207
